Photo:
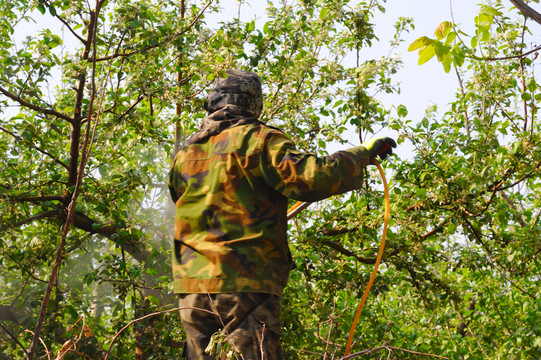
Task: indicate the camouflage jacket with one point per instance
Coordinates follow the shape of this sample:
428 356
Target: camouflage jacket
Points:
231 192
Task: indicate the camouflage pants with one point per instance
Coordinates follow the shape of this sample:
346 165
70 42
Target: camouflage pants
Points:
249 323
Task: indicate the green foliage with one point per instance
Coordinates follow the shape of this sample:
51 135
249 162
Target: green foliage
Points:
460 272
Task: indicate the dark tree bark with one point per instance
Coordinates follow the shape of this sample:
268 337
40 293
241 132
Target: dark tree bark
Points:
527 11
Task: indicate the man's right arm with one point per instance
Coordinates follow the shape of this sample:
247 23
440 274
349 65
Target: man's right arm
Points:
307 177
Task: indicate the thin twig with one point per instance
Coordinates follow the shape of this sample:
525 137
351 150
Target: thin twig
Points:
151 315
66 24
47 351
37 108
388 348
14 338
45 152
519 56
171 38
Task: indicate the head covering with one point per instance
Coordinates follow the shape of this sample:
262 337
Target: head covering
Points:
241 89
233 101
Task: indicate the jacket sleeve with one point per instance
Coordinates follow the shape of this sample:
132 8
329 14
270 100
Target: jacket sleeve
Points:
307 177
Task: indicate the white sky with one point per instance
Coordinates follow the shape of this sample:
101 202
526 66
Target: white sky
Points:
426 84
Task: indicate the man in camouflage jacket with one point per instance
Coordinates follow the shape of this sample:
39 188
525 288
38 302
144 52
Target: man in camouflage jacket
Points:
231 183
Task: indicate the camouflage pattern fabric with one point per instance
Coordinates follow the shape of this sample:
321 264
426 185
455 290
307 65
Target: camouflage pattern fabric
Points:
231 183
248 321
241 89
231 195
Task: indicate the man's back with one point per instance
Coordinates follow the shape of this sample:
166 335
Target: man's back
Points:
230 225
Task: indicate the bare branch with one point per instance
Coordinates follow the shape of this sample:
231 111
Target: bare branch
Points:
14 338
35 107
527 11
151 315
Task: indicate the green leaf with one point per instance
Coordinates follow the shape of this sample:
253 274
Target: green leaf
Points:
447 62
52 10
426 54
458 56
489 10
473 42
266 27
484 21
441 50
323 13
451 228
443 30
153 299
420 43
41 8
452 36
402 111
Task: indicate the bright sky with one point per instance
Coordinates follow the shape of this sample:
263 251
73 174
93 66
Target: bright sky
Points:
427 84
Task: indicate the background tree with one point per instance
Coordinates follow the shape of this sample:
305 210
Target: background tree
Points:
94 106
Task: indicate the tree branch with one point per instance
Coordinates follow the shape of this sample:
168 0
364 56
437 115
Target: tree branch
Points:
347 252
39 198
35 107
151 315
43 215
66 24
526 176
45 152
512 205
111 232
150 47
387 347
435 230
527 11
75 175
14 338
519 56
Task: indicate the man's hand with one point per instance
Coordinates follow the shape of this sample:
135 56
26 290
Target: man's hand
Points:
381 147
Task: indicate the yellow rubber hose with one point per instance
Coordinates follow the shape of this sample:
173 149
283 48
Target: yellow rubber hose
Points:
299 206
378 259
